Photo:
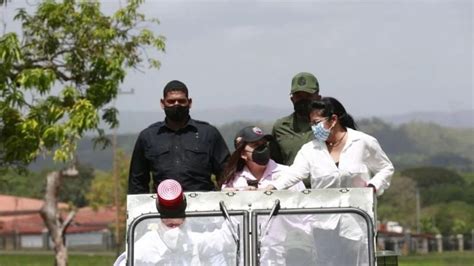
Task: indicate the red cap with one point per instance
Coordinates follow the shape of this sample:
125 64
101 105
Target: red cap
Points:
170 197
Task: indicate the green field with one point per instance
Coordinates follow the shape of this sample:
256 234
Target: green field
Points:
439 259
47 259
43 259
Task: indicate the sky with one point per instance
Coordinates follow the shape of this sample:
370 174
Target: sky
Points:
381 57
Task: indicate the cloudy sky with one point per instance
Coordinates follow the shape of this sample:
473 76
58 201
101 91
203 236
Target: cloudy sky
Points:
378 57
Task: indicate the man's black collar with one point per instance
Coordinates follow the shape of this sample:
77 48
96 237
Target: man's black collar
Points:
190 124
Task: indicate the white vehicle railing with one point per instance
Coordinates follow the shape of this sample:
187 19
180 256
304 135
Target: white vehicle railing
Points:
319 226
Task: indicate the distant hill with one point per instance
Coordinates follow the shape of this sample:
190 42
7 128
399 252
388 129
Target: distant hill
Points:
421 138
455 119
134 121
412 144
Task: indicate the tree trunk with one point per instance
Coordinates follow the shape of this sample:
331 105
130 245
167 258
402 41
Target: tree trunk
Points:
52 217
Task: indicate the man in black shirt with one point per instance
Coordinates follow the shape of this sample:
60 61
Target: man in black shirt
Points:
179 147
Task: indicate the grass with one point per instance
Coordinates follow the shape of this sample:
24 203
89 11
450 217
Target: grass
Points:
96 259
47 259
439 259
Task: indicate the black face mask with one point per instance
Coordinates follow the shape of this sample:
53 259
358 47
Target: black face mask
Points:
261 155
252 183
302 107
177 113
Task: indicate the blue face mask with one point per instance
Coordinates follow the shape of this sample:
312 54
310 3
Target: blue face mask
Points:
319 132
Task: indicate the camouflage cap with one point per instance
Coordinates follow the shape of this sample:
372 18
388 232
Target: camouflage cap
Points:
306 82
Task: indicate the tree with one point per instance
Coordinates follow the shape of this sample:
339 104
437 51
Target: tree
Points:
398 202
426 177
450 160
432 139
74 191
394 141
30 184
451 218
56 82
101 192
428 226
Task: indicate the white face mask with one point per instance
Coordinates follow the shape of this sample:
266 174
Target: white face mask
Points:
320 132
170 236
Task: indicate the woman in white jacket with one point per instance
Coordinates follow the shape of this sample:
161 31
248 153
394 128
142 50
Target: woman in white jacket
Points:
339 156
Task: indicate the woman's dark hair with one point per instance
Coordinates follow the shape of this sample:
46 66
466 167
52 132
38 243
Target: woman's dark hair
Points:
329 106
234 164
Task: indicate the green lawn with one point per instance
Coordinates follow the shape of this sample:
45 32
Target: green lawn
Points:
439 259
46 259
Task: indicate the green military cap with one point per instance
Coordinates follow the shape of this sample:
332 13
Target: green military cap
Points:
306 82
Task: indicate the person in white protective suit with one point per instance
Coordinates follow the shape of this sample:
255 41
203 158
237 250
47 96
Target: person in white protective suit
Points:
170 241
339 157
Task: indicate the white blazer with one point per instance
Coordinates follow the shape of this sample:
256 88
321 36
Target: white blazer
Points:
362 162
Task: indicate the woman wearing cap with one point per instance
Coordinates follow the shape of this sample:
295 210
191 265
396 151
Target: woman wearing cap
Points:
250 166
339 156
